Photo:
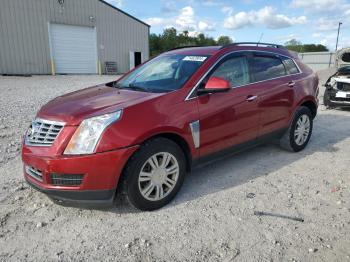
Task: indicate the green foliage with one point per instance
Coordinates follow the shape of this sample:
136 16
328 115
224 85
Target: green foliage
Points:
292 42
224 40
297 46
170 38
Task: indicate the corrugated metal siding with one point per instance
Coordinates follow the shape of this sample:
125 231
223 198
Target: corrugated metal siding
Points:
318 60
24 37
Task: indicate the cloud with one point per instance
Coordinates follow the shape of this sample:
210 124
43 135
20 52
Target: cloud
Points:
319 5
211 3
184 20
204 26
329 40
266 16
155 21
169 7
323 24
227 10
285 38
117 3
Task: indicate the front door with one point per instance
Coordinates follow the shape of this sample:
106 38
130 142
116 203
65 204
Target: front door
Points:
229 118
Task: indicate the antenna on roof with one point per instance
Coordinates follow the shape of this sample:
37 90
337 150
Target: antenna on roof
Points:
261 36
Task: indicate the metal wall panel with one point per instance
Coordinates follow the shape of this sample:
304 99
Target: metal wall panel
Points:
318 60
24 34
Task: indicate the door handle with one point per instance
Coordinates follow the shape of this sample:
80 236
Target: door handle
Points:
291 84
251 98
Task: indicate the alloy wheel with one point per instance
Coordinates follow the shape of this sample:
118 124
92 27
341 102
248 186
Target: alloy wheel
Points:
158 176
302 130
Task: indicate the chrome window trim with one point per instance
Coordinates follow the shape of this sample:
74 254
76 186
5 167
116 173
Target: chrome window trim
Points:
188 97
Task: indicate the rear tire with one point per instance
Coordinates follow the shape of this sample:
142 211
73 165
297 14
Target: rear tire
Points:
154 174
299 132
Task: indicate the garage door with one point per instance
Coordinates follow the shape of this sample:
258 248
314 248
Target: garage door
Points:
73 49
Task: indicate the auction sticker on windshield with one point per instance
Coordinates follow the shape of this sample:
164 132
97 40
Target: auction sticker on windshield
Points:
194 58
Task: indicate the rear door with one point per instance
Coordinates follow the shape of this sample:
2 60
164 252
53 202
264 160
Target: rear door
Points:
232 117
276 90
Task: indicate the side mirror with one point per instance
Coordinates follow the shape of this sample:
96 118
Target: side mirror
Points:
215 85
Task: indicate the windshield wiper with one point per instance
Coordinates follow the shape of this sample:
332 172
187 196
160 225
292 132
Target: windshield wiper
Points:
139 88
116 85
130 86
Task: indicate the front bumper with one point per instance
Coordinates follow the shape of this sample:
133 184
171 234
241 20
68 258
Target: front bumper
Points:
89 198
100 174
338 97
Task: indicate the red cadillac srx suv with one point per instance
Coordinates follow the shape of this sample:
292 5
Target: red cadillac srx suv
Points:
142 133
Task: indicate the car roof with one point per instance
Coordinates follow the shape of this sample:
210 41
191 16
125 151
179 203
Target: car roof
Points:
245 46
195 50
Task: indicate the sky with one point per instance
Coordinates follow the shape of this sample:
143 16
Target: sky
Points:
308 21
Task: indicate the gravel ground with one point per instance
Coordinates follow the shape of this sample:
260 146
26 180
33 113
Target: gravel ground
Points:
211 219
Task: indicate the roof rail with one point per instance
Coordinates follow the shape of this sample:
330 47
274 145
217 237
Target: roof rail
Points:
181 47
254 43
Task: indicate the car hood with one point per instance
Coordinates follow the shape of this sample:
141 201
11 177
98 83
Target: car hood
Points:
74 107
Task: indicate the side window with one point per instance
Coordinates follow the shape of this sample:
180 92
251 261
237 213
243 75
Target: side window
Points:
290 66
267 67
234 70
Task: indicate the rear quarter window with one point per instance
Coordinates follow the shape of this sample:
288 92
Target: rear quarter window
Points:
290 66
267 67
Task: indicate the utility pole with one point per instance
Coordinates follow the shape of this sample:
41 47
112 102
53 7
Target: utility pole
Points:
336 46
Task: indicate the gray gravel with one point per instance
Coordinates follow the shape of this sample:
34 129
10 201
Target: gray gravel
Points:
213 217
22 97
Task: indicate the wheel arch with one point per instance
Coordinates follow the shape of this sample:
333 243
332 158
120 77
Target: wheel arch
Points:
181 142
178 139
310 104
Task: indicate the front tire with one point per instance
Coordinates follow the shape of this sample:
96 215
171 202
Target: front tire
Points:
327 99
299 132
154 174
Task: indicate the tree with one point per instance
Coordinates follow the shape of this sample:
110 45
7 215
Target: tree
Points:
292 42
224 40
314 48
297 46
170 38
155 44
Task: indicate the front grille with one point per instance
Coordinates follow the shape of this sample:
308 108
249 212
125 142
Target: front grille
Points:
66 180
34 173
43 132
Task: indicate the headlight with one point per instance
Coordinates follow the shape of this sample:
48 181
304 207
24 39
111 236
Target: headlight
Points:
88 134
333 83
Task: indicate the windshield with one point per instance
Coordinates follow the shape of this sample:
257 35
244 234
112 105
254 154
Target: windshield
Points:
162 74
